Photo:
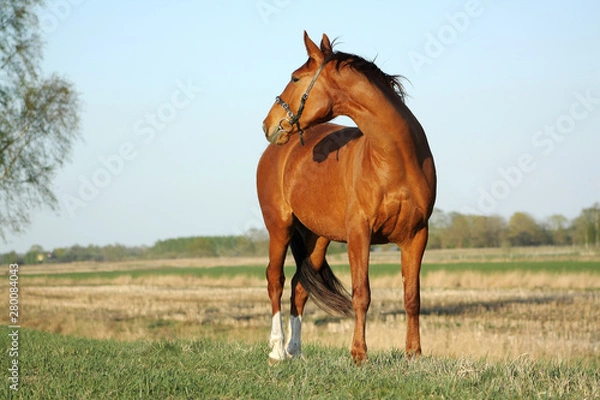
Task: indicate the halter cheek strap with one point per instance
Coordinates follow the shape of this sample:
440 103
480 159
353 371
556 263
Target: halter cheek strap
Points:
295 119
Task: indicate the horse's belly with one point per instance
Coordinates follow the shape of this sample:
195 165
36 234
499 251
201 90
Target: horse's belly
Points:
321 217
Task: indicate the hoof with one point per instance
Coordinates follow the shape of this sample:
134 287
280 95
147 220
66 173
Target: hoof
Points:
360 358
360 361
273 362
413 354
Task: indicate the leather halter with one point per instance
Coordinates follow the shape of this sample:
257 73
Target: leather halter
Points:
294 119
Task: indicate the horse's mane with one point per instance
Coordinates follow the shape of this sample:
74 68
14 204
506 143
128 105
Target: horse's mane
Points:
370 71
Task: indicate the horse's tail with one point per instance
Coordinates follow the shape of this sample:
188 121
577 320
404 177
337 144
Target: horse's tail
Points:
322 285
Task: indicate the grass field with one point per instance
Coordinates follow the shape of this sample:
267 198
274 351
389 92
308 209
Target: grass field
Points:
61 367
177 329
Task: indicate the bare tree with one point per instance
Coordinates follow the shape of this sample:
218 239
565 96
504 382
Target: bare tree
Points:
39 118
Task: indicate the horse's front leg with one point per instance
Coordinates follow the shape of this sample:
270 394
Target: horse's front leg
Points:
412 254
358 255
275 282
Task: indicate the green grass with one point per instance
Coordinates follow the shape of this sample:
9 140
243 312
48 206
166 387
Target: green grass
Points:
56 367
199 272
376 270
554 267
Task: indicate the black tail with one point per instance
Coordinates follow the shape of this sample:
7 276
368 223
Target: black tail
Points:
322 286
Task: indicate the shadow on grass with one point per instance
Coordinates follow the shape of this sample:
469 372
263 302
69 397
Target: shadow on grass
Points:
383 311
478 307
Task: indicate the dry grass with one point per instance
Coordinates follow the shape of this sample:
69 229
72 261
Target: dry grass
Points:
147 309
496 322
499 280
469 313
500 323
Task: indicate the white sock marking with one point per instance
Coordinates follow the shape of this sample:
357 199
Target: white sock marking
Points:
277 338
294 345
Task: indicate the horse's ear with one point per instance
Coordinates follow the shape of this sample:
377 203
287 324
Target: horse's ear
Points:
326 45
311 48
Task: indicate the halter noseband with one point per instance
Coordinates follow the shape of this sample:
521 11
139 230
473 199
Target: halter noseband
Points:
295 119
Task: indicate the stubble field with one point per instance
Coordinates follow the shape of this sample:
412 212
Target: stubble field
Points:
500 309
477 309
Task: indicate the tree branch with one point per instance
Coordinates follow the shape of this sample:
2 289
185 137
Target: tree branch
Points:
14 160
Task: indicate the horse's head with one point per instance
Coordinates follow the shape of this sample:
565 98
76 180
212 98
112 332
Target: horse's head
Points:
305 100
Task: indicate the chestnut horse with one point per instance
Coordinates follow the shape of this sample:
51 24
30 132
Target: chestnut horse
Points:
371 185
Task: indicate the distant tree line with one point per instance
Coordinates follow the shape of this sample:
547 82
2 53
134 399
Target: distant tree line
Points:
447 231
200 246
456 230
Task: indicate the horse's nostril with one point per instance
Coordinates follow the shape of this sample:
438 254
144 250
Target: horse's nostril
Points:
265 129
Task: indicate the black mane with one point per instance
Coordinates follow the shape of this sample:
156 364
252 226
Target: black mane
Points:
370 71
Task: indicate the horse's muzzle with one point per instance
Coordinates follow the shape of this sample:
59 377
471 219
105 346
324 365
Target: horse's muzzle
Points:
278 136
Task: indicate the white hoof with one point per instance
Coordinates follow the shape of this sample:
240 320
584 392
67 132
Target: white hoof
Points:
278 354
276 340
292 348
294 344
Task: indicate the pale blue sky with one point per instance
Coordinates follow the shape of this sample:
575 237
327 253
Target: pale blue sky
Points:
175 94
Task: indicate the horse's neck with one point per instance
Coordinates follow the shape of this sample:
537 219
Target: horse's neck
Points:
386 122
396 141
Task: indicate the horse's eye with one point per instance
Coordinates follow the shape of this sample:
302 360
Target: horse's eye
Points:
295 79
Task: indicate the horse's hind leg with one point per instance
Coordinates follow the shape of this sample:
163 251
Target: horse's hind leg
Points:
315 247
412 254
298 300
